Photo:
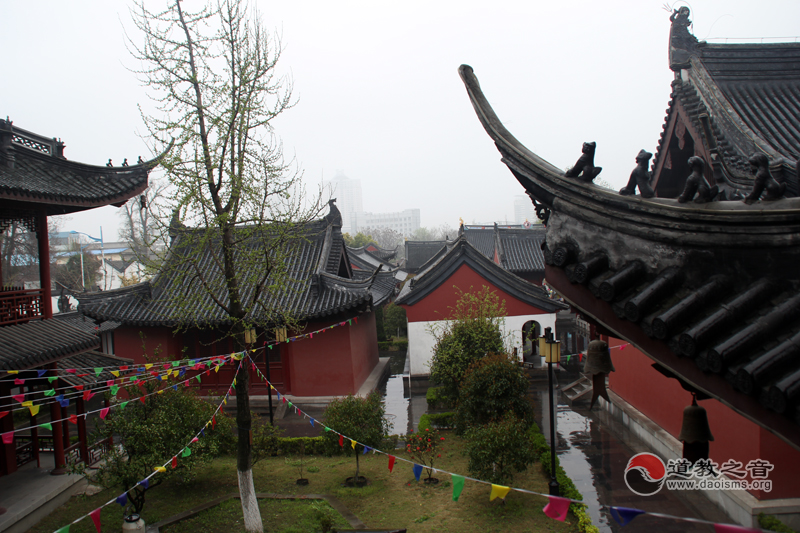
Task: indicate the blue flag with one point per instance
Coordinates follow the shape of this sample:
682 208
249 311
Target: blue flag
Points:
417 471
624 515
145 483
122 499
366 449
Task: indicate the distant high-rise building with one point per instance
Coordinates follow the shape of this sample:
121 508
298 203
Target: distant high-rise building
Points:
524 210
403 222
348 198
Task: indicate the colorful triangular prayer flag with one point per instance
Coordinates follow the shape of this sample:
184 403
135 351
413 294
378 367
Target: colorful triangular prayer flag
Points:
186 452
98 371
556 507
8 437
104 413
160 469
52 378
145 483
366 449
50 392
498 491
47 425
64 529
73 419
341 441
3 413
391 462
458 486
122 405
417 469
34 409
95 516
727 528
122 499
352 444
41 373
175 462
623 515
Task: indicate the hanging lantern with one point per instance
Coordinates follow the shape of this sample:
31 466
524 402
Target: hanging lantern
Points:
695 432
598 364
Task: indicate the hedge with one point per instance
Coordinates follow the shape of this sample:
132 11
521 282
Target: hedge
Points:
436 420
773 524
392 346
436 399
566 486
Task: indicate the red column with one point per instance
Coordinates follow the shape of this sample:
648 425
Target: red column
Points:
44 263
8 452
58 434
82 430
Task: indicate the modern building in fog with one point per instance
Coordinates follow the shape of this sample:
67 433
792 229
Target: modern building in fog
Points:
403 222
524 210
348 198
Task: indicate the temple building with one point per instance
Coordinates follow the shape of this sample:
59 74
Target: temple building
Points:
38 181
323 295
693 282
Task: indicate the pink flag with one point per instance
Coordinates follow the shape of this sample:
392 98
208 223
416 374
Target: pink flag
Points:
109 383
727 528
557 507
95 515
87 395
8 438
19 397
19 381
104 413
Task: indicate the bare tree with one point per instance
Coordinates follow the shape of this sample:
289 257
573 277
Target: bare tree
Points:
385 237
212 75
140 220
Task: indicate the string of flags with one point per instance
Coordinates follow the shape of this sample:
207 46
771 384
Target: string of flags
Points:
557 507
8 437
186 451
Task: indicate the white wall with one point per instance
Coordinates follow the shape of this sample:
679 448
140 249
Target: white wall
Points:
421 341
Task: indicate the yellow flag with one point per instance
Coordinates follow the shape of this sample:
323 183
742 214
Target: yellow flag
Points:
115 372
148 366
216 369
225 401
160 392
175 373
160 469
271 387
27 404
34 409
499 491
13 371
353 444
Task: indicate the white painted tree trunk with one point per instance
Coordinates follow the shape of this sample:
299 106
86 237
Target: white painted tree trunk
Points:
247 492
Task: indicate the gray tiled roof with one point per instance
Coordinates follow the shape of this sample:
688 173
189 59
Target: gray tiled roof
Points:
482 239
462 252
84 323
40 342
31 175
419 252
313 258
521 249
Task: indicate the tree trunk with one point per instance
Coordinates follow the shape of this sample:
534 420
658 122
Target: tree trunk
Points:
355 481
247 490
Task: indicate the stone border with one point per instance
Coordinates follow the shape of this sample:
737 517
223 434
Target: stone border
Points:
334 502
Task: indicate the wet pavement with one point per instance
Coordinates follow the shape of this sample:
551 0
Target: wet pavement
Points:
594 450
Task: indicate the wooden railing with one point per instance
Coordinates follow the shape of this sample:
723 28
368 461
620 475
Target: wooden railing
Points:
24 449
98 450
72 455
20 306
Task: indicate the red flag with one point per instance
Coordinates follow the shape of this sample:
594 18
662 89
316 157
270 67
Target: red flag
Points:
123 368
142 399
8 438
213 421
96 518
104 413
356 319
166 366
391 462
3 413
175 462
727 528
87 395
341 441
557 507
79 387
73 419
19 397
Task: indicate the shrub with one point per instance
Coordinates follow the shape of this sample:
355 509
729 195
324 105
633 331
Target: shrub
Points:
435 396
499 449
472 332
395 320
425 447
436 420
491 387
266 438
360 419
773 524
310 445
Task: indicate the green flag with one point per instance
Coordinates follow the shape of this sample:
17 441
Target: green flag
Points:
98 371
47 425
52 378
50 392
458 485
122 405
114 390
198 378
186 452
64 529
176 363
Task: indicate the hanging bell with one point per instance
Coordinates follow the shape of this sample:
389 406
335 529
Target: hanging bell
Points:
598 358
695 432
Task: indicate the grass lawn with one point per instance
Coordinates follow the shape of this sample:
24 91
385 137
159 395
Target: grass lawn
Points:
391 500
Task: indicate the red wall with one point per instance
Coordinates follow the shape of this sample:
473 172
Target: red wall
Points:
446 296
335 362
128 343
662 399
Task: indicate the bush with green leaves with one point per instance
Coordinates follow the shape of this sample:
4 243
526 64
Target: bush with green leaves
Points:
150 434
359 420
472 332
499 449
266 438
492 387
395 320
424 447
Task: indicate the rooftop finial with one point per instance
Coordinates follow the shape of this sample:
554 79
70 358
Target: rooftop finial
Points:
682 43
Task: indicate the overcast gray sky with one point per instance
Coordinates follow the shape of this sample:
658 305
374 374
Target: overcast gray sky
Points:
380 98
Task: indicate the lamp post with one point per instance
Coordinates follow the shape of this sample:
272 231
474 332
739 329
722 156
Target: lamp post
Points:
102 253
551 349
